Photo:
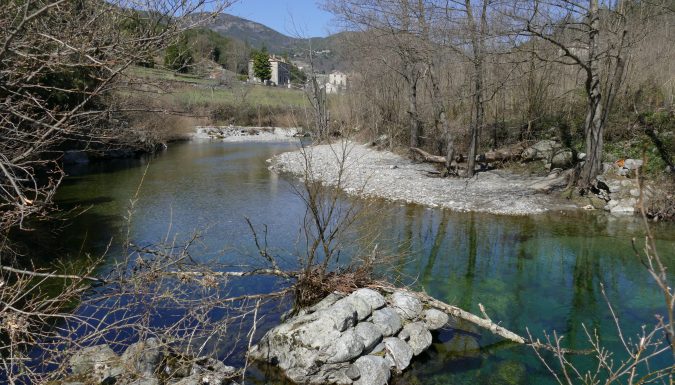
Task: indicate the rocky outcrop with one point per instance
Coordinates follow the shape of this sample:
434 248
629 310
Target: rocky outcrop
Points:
542 150
145 363
360 338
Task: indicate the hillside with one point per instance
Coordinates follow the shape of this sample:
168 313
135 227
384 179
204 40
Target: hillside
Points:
327 50
255 34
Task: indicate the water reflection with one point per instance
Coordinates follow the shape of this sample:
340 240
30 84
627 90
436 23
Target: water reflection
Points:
541 272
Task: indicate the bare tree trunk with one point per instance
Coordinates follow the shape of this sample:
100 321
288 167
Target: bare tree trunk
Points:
594 123
478 108
440 116
412 106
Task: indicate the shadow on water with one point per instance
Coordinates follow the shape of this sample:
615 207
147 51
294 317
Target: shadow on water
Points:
539 272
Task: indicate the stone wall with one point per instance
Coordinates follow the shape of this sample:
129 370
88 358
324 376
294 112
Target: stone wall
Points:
360 339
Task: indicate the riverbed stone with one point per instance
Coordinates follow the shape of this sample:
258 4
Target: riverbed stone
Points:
420 338
348 346
143 357
540 150
624 206
99 362
373 298
373 370
632 164
398 352
369 334
463 345
145 381
327 302
435 319
343 314
353 373
562 159
406 305
388 320
360 306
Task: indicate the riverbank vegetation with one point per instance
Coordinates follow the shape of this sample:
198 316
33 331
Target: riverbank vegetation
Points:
66 88
464 78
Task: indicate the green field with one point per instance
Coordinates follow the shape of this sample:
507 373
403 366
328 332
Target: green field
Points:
190 91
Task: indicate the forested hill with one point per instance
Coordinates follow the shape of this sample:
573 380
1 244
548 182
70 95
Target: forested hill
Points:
256 35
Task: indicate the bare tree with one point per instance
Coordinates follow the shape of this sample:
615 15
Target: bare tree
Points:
61 63
595 38
391 25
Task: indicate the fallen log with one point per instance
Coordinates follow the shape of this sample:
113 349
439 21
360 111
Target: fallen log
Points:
504 154
499 155
428 157
484 323
456 312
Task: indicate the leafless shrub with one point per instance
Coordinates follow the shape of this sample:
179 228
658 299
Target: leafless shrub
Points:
60 64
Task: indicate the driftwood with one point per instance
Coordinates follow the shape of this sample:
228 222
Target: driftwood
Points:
485 323
428 157
500 155
504 154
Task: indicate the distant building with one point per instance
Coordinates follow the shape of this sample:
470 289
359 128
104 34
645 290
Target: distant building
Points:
337 82
281 72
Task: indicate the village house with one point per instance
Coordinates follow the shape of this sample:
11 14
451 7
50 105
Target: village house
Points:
337 82
281 73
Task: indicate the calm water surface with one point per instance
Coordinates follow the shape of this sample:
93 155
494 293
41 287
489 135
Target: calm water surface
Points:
539 272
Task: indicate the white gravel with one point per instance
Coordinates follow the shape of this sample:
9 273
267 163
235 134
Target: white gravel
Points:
382 174
245 134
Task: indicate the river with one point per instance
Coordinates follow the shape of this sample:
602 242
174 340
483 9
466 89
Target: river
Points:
539 272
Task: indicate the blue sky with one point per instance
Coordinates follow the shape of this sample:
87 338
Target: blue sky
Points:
281 15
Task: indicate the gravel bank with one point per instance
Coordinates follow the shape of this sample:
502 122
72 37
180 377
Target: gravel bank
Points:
246 134
382 174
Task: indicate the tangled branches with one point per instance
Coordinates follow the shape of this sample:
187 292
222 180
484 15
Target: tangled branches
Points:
60 65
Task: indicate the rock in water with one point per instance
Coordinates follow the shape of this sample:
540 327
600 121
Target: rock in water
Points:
387 320
408 306
343 315
369 333
348 346
371 297
143 357
343 342
419 337
398 353
99 362
373 370
435 319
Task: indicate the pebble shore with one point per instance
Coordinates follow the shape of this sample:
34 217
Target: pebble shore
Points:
383 174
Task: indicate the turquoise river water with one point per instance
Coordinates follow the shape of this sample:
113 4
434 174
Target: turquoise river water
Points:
533 273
